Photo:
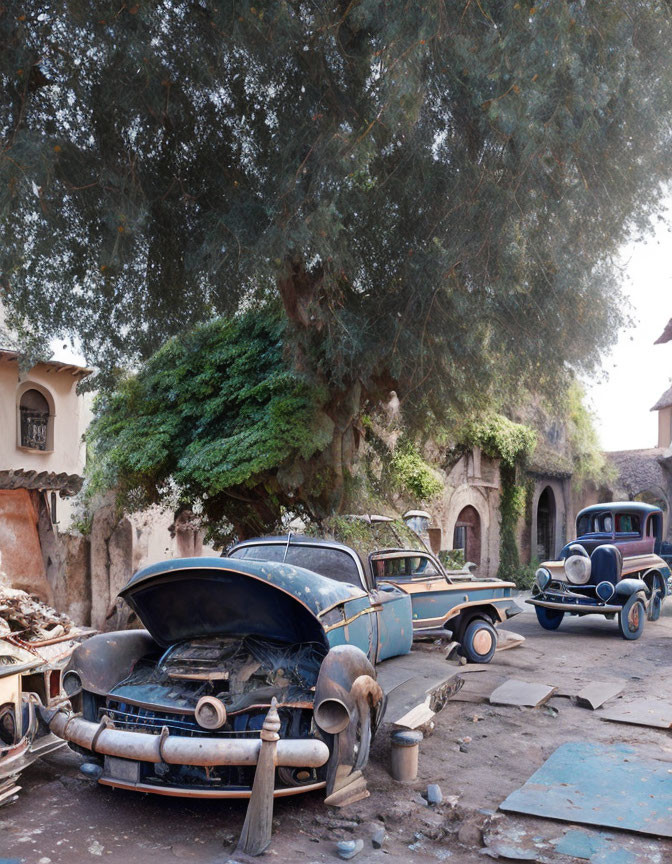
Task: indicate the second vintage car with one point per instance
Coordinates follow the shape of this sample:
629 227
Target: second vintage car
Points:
613 568
384 557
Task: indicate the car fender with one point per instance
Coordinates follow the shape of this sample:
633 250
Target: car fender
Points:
107 658
627 587
347 680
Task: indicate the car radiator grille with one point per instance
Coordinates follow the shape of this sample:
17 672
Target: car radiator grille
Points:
138 719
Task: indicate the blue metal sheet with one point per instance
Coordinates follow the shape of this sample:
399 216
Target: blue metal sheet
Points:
596 784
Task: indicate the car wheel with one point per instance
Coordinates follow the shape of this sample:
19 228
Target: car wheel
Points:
631 617
549 618
479 641
655 603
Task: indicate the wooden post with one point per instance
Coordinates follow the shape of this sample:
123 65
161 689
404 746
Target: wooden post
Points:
256 834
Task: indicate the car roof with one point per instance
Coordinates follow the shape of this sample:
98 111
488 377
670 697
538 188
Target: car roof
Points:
620 507
294 539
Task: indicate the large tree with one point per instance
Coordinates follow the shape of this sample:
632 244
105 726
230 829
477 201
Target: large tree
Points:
431 192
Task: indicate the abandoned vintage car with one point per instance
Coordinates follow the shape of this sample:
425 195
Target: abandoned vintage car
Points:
35 644
384 557
613 568
235 654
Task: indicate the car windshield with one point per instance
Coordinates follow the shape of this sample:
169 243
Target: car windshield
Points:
333 563
405 567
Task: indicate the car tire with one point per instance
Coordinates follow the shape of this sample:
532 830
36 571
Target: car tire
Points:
550 619
655 603
631 618
479 641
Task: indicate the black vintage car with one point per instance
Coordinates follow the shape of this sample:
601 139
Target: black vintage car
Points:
612 568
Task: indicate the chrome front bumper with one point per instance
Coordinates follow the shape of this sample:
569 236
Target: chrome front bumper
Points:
103 739
569 606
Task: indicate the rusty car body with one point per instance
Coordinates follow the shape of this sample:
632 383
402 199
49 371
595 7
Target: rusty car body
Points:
384 557
612 568
233 650
30 683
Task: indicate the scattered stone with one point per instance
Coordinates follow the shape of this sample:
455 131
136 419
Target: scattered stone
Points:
464 748
434 795
470 834
378 838
416 845
418 799
347 849
96 848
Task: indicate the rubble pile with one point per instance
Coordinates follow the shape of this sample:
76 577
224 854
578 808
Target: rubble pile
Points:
28 618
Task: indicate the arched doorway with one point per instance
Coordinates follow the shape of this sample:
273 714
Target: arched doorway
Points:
467 534
546 525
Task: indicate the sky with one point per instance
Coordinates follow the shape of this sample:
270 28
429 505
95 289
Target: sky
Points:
638 371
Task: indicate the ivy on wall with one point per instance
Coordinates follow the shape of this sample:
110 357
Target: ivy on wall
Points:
513 444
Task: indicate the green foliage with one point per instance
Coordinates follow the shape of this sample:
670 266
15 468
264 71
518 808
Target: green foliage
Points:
452 559
500 438
412 475
524 575
210 417
511 507
589 462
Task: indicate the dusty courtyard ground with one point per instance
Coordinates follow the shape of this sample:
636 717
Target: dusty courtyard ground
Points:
63 818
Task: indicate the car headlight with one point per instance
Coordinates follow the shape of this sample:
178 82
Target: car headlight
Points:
543 578
72 683
577 569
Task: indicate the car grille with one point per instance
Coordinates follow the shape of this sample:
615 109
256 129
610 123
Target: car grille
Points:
139 719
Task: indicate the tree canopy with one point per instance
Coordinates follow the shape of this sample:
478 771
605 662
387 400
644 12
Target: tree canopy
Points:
430 193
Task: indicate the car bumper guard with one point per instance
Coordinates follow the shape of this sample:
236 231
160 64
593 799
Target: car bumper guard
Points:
104 739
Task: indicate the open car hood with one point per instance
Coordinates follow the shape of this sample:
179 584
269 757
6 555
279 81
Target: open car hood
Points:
191 597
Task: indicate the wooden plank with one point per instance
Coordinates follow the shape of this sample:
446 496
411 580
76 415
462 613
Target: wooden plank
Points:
596 784
599 692
646 712
508 639
521 693
478 689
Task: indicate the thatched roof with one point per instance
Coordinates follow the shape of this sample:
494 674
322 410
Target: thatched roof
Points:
665 401
639 470
667 334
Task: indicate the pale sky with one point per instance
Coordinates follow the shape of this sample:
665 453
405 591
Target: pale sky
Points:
638 371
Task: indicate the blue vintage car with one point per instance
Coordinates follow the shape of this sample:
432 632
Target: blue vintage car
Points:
466 607
234 651
612 568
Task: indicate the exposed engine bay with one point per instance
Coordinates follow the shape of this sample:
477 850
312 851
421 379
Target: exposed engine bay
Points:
241 672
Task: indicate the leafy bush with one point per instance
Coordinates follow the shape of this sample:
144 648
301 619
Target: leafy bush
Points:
412 474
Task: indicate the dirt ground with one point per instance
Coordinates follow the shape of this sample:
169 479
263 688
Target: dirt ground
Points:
63 818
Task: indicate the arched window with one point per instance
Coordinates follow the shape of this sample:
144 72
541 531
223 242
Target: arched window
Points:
35 420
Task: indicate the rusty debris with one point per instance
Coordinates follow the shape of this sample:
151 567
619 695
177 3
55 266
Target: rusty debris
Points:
25 616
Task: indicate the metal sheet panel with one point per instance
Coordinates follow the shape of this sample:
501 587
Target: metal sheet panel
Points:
596 784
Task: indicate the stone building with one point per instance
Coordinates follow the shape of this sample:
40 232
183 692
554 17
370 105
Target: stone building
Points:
467 516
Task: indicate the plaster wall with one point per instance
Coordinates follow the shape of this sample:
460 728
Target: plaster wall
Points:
69 419
20 552
665 427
